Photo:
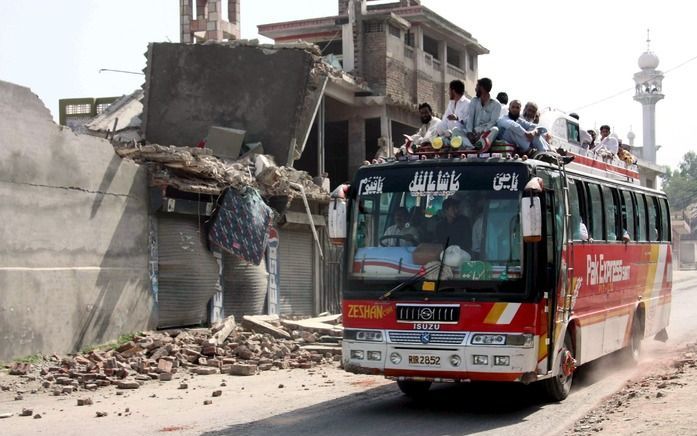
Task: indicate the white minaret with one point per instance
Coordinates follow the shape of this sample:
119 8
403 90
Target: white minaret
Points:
648 84
630 137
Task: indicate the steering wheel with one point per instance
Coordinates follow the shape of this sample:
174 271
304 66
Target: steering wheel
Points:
407 238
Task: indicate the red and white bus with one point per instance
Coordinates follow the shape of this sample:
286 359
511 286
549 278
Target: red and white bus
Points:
508 289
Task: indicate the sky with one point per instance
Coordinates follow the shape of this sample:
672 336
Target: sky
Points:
560 54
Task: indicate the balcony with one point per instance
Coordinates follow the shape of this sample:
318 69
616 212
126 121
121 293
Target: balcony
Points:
408 52
455 71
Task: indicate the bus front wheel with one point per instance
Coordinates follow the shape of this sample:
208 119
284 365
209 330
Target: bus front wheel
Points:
414 389
558 387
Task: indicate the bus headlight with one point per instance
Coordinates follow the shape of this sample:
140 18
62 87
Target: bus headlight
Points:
479 359
395 358
488 339
357 354
374 355
502 360
363 335
524 340
521 340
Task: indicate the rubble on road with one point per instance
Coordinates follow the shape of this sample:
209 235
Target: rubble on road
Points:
194 169
261 343
664 380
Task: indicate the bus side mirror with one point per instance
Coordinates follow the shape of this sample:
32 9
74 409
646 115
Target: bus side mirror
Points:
337 221
531 219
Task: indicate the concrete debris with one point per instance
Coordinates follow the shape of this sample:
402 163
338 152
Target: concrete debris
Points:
6 415
222 330
261 343
26 412
197 170
101 414
257 324
295 45
325 324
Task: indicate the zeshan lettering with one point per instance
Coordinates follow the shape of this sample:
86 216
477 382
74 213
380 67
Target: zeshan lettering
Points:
368 311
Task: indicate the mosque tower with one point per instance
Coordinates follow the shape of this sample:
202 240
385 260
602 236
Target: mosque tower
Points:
648 91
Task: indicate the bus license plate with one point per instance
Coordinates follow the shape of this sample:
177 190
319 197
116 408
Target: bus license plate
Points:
424 359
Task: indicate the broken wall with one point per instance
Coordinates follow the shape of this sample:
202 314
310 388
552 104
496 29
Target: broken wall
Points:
272 93
74 250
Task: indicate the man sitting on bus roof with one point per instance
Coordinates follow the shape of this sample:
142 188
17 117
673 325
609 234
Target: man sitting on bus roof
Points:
403 234
502 98
484 111
429 125
516 130
607 142
453 227
531 112
458 106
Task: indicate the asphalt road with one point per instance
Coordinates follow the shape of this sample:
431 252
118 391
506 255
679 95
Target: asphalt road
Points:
476 408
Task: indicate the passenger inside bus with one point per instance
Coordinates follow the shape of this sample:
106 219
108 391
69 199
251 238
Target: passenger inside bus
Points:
582 232
454 227
401 233
478 211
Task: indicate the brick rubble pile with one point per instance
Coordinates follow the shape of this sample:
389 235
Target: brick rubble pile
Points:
226 348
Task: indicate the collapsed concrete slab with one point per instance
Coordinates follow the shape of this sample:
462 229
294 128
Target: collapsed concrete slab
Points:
270 92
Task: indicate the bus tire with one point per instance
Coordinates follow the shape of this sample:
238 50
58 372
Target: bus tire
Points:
558 387
414 389
632 352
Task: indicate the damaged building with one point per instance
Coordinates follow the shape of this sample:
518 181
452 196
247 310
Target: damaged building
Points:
222 127
327 95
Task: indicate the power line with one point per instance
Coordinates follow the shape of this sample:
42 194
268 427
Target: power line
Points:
633 87
120 71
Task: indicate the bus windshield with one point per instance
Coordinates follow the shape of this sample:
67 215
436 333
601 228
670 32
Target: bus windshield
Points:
405 221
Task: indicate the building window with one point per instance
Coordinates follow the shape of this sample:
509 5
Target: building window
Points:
409 38
101 107
471 59
431 47
74 109
454 57
394 31
373 27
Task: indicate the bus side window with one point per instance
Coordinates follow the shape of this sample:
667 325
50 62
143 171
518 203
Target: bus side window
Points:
641 217
654 225
574 211
628 214
572 132
595 201
612 214
665 221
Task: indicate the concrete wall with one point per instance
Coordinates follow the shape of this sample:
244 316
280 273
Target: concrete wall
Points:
74 232
273 94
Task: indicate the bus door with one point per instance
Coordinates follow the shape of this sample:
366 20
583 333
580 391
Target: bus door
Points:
554 270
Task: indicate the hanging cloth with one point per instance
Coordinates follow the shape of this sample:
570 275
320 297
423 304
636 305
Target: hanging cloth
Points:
241 225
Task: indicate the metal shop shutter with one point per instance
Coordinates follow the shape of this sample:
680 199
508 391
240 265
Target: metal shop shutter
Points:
188 272
296 262
244 286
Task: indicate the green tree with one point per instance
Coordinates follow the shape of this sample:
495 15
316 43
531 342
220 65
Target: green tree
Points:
681 184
